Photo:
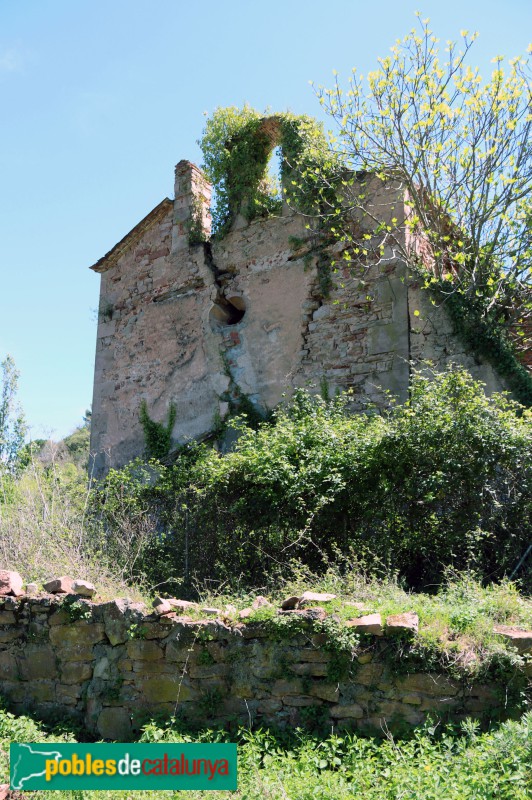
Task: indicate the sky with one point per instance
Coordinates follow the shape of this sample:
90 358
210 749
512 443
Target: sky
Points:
101 98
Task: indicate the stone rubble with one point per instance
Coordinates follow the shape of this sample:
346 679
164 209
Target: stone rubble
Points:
10 583
371 623
84 588
59 585
521 640
401 623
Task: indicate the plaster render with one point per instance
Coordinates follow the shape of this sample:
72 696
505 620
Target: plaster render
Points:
164 332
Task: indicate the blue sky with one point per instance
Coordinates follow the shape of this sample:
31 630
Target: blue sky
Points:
101 99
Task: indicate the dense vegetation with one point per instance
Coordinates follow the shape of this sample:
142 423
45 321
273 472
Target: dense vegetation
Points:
444 480
367 506
433 764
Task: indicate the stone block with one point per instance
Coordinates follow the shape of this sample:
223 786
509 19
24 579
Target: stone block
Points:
59 617
485 691
59 585
10 583
152 668
176 605
38 662
73 691
164 607
84 588
350 711
325 691
269 706
144 650
84 634
8 667
441 704
316 669
118 617
6 637
76 672
427 683
40 691
7 618
402 623
299 701
115 724
12 604
206 671
315 655
521 640
177 651
313 598
368 674
371 623
283 687
217 651
158 629
310 613
166 689
411 699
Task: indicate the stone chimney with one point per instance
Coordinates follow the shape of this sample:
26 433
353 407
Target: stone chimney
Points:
192 216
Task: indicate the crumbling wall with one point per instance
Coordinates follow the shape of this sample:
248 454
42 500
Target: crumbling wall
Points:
198 325
112 666
434 342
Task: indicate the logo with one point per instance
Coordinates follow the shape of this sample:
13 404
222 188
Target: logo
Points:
123 766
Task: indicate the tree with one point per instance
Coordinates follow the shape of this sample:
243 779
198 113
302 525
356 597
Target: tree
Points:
12 422
459 150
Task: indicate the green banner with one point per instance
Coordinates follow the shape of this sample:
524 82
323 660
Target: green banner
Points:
123 766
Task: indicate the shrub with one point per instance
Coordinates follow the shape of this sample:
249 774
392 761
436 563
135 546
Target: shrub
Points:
444 480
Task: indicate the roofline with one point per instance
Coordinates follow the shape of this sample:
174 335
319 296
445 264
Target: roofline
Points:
135 234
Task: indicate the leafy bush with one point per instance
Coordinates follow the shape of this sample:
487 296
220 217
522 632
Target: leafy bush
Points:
444 480
455 763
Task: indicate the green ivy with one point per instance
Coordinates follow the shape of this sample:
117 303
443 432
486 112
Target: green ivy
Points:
237 145
487 337
157 436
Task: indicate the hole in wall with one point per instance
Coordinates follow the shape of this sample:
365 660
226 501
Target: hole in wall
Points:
227 311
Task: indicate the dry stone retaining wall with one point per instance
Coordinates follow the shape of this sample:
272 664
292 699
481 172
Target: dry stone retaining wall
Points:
113 665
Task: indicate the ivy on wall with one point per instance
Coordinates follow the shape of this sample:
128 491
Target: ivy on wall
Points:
157 436
237 144
487 338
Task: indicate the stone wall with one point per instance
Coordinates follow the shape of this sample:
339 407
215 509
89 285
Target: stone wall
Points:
198 325
113 665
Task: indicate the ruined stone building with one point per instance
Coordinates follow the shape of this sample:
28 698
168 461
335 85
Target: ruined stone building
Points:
200 325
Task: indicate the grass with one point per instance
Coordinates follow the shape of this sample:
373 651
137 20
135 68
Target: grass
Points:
455 764
455 624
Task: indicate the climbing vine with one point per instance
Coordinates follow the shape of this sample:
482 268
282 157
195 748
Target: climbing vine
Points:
157 436
486 337
237 144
